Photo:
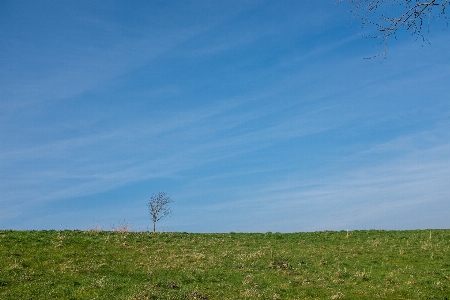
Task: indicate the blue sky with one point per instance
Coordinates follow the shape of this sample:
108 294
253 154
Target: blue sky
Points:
253 116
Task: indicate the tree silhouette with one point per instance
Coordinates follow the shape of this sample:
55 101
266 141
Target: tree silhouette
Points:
388 17
158 207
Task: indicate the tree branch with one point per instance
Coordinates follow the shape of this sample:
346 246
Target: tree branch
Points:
368 11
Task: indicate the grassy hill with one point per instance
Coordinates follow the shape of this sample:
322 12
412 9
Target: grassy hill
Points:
141 265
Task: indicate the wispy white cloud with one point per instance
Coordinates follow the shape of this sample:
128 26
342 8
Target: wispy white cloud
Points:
85 66
380 194
142 150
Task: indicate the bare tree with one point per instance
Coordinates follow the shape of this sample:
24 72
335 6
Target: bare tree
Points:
387 17
158 206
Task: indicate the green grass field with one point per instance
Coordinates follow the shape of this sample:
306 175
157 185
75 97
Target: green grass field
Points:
141 265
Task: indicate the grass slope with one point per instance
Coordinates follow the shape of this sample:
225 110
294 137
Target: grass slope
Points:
140 265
